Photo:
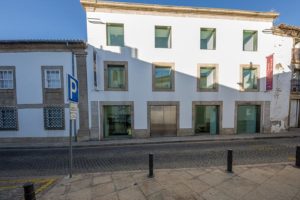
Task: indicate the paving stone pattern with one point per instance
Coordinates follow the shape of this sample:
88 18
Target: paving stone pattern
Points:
54 161
259 182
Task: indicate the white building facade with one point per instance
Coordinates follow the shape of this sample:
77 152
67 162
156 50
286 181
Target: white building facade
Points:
173 71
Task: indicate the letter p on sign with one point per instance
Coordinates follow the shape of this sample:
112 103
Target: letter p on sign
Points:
72 89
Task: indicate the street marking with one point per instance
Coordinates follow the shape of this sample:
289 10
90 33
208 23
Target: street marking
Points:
45 183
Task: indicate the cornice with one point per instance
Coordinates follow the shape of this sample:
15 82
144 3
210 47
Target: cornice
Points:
93 6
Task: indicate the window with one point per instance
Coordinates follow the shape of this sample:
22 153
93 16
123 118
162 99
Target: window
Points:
163 78
52 78
208 38
207 78
248 118
117 120
8 118
162 37
115 35
54 118
116 76
207 119
250 79
249 40
6 79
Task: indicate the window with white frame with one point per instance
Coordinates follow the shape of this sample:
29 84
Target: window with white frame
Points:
6 79
52 78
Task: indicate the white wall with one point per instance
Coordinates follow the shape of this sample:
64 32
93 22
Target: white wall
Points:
29 90
186 54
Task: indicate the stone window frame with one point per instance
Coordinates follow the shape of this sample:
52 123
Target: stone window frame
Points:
255 50
115 103
215 39
111 23
17 119
163 103
241 83
171 36
106 63
167 65
13 69
216 77
252 103
207 103
48 67
63 117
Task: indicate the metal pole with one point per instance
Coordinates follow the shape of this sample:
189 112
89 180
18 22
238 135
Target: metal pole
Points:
298 156
151 175
29 193
75 131
229 161
70 151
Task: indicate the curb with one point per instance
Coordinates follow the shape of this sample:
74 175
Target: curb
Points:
130 143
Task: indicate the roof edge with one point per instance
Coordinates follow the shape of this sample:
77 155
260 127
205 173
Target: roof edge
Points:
176 9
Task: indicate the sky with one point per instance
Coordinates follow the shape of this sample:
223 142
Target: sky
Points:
49 20
289 9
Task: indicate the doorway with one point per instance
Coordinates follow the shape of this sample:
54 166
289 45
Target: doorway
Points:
248 118
207 119
163 120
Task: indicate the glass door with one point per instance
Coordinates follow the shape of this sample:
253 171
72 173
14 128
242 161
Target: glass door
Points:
207 119
248 119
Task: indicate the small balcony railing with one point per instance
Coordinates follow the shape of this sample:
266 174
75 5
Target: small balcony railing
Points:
296 55
295 85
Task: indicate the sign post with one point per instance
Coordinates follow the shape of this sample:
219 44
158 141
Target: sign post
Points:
73 101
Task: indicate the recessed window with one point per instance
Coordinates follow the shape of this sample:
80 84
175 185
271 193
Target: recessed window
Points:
117 120
8 118
163 36
207 78
249 40
208 38
115 35
54 118
163 78
116 77
6 79
250 79
207 119
52 78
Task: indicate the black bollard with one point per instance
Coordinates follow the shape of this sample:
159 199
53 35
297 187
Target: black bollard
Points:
298 156
229 161
151 175
29 193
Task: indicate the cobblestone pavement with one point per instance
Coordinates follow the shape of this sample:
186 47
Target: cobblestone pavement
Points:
260 182
12 189
54 161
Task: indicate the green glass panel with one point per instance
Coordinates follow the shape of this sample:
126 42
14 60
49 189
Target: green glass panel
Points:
206 119
116 76
117 120
163 77
207 78
250 40
208 38
115 35
248 119
249 79
162 37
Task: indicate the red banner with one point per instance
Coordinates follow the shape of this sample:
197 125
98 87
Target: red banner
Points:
269 77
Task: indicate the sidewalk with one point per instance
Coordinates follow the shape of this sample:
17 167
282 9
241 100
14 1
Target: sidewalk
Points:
196 138
251 182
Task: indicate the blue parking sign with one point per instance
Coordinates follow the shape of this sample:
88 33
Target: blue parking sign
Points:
72 89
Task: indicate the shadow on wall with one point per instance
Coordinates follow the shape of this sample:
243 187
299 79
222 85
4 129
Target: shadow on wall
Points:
274 104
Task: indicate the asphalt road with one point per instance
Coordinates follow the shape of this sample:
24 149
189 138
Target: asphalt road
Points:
54 161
